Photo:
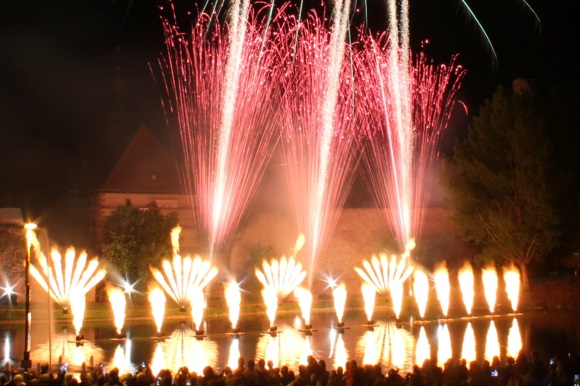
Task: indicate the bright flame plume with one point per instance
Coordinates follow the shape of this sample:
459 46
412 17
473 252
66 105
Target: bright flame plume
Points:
305 301
233 300
444 351
369 295
468 349
421 291
443 287
77 307
281 277
491 343
489 279
271 302
339 296
514 340
466 286
157 300
511 277
118 303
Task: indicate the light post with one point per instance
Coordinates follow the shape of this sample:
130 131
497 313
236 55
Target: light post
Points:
26 363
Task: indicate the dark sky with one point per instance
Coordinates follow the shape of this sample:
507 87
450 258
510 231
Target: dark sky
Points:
58 90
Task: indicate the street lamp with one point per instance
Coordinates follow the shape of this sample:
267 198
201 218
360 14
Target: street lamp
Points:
26 363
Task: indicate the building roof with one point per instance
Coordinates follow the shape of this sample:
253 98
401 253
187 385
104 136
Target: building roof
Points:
145 166
11 216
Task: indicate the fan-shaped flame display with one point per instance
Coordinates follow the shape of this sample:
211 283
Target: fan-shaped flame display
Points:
511 277
466 285
421 291
185 276
443 288
76 276
282 277
387 276
157 300
118 302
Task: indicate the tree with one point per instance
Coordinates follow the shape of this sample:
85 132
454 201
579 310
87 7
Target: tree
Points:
136 238
500 182
12 254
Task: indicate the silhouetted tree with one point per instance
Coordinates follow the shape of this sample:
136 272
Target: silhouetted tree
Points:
500 182
136 238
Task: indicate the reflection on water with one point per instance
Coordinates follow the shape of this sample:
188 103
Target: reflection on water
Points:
389 344
64 349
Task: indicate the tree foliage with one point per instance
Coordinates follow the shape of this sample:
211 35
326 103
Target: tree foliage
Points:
500 182
12 253
136 238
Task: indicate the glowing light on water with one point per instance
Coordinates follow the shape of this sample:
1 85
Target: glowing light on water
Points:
466 286
122 358
183 276
318 139
491 342
158 361
489 279
285 348
338 349
234 354
183 349
77 276
70 353
157 300
282 276
421 291
443 287
305 302
444 351
390 345
219 85
422 347
118 303
339 296
233 300
388 276
369 295
511 277
468 346
7 349
514 340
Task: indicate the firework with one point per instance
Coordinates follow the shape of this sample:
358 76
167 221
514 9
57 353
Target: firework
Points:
339 296
219 86
118 303
157 299
233 299
282 276
318 133
305 301
421 291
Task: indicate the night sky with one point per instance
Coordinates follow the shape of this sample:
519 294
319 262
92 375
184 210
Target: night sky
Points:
62 110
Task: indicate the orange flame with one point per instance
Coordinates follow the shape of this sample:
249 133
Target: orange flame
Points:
443 288
157 300
305 301
369 295
233 300
489 278
466 285
511 276
339 295
421 290
118 302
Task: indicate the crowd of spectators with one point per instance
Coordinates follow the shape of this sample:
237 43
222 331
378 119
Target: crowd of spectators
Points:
524 370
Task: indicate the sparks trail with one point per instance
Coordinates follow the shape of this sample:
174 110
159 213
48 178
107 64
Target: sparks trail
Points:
219 86
406 105
317 123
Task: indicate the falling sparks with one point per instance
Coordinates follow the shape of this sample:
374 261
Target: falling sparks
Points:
318 134
443 288
466 285
511 277
157 300
489 279
219 85
118 303
421 290
184 276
